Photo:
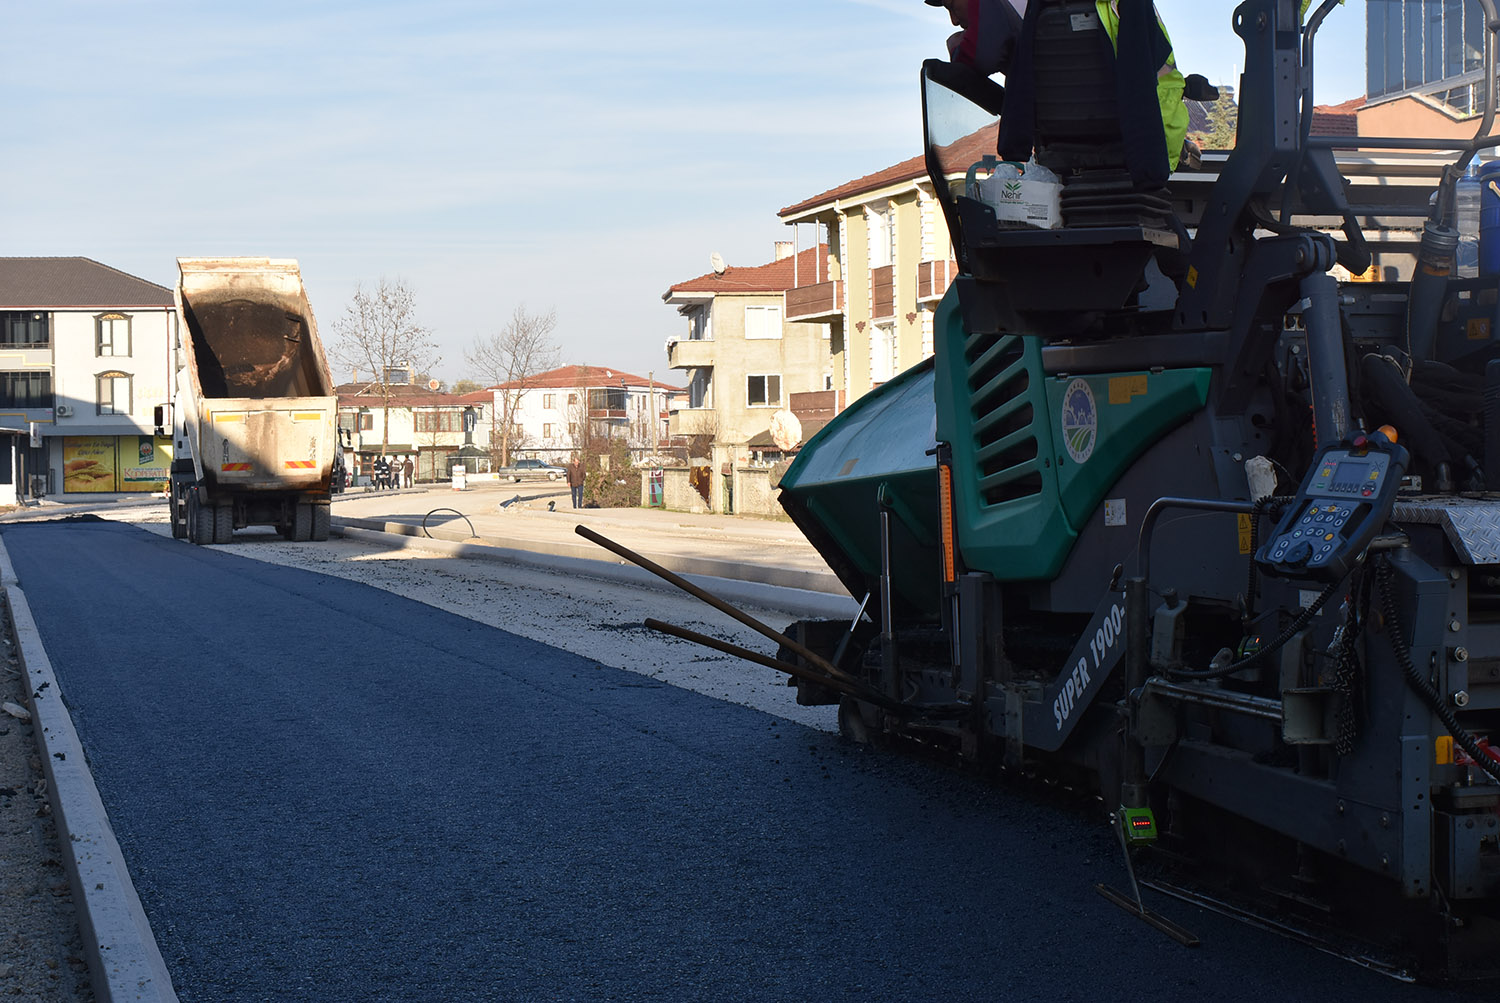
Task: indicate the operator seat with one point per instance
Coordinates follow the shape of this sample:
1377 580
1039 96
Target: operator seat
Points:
1091 116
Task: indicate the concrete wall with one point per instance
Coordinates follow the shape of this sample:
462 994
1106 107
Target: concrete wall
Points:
753 494
1411 116
678 494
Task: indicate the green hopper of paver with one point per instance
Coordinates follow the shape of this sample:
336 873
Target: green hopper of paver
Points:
875 457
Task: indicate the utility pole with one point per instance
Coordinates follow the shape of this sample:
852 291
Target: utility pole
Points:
651 404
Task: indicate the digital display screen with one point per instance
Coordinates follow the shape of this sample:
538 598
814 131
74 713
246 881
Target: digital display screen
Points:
1349 476
1141 823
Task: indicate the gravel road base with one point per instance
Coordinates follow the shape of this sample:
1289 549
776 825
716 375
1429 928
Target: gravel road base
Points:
41 954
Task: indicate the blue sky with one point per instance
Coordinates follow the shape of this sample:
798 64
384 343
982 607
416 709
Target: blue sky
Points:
580 156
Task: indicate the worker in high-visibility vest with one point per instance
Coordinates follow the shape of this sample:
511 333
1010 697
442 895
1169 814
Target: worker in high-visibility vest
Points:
994 39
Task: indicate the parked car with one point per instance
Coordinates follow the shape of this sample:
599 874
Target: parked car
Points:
529 469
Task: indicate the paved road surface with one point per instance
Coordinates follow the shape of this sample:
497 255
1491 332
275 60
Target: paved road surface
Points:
459 813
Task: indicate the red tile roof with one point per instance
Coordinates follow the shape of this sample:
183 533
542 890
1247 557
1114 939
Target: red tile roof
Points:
1337 119
970 148
404 395
573 377
775 277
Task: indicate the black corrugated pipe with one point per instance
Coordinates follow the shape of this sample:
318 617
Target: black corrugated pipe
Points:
1429 284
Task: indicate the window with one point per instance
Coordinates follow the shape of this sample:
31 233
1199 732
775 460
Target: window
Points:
879 221
367 422
572 428
28 330
439 421
114 393
700 389
763 391
572 400
112 335
699 328
762 322
549 402
25 390
547 430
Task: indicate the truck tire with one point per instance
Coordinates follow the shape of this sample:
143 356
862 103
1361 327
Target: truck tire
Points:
551 477
302 522
223 523
200 521
320 523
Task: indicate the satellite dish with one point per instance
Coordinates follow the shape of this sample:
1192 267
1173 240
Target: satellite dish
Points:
716 260
433 384
786 430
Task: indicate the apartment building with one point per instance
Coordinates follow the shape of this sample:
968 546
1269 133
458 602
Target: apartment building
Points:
88 355
552 413
743 357
883 261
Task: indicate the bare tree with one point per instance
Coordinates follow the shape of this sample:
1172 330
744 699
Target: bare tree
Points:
511 359
379 333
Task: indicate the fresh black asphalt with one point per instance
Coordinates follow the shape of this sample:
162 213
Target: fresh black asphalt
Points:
328 792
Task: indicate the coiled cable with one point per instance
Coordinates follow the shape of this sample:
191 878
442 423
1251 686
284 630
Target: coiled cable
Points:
1424 687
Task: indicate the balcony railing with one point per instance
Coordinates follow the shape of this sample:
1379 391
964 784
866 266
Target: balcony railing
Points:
883 292
822 301
934 278
693 421
690 354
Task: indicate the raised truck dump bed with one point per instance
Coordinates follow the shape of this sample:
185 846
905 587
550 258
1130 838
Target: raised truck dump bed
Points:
255 413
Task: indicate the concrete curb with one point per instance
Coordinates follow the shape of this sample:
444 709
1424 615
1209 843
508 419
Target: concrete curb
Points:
124 962
778 595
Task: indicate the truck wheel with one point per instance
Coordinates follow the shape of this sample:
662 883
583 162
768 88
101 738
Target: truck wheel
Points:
320 523
200 521
223 523
551 477
302 523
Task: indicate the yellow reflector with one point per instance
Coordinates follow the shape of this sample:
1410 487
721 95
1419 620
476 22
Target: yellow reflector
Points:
229 417
945 503
1444 749
306 416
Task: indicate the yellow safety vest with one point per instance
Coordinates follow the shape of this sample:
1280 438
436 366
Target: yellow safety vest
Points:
1169 84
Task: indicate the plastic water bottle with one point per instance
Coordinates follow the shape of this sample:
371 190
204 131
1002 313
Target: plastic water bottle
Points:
1467 204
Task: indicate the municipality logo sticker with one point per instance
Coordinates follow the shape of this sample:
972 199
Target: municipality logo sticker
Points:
1080 421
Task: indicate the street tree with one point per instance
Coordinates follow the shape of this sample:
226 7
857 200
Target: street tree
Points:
379 332
511 359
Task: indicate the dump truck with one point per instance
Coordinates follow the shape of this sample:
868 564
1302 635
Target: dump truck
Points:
254 413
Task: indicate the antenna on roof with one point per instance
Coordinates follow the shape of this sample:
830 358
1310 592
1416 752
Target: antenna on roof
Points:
716 260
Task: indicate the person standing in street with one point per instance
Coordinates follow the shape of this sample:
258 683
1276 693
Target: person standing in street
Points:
575 480
407 469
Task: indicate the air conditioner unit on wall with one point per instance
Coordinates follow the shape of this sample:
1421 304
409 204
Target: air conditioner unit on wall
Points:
64 410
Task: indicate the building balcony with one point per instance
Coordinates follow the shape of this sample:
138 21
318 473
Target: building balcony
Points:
693 421
934 278
883 292
690 354
820 303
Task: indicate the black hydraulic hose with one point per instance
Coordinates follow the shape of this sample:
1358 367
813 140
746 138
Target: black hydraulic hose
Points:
1424 688
1286 635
